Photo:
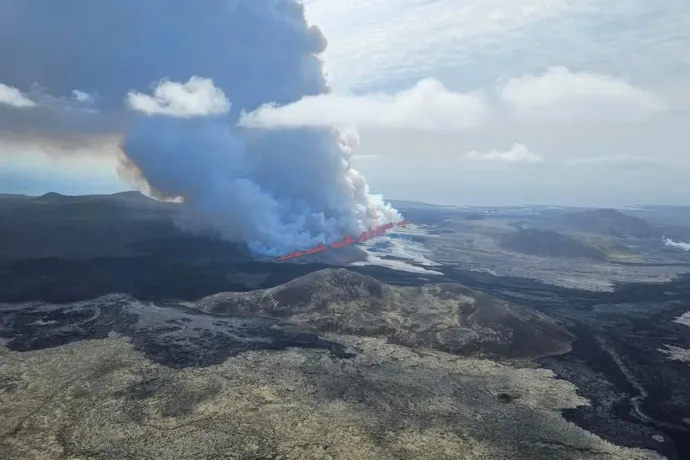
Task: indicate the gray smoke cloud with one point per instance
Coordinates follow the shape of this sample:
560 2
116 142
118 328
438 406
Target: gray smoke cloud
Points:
187 71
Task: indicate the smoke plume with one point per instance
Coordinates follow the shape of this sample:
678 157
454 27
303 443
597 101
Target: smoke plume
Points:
668 242
187 71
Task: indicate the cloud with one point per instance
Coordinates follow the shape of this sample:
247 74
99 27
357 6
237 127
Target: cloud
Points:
555 96
82 96
618 161
36 115
518 153
559 94
381 45
428 105
60 151
197 97
374 42
378 43
14 98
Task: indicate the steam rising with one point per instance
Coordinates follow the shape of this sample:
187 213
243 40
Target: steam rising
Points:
677 244
188 71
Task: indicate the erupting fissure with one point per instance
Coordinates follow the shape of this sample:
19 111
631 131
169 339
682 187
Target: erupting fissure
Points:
346 241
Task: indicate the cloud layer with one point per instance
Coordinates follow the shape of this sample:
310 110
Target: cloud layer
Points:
557 95
518 153
429 105
562 95
618 161
377 43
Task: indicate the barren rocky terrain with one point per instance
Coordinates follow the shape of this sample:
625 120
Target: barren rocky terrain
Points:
445 316
541 249
157 343
101 399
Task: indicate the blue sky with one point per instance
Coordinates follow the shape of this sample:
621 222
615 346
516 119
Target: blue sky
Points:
541 101
37 181
34 173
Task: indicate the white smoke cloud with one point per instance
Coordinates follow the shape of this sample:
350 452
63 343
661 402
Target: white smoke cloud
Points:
518 153
677 244
197 97
429 105
14 98
277 191
562 95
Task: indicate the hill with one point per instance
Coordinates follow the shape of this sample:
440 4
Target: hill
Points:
608 222
78 227
121 225
448 317
548 243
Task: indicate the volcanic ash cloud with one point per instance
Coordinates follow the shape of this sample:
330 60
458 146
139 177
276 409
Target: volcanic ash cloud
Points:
176 77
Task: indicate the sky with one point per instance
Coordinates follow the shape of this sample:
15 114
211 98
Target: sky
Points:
491 102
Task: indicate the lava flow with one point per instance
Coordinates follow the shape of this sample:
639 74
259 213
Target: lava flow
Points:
346 241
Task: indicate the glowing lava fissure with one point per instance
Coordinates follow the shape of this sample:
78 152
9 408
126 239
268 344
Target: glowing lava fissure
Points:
346 241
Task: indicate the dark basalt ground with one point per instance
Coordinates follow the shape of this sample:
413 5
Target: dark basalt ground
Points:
635 390
549 244
173 336
609 222
448 317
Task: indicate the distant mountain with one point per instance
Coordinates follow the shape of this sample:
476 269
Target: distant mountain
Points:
548 243
448 317
12 196
53 207
8 199
407 204
84 226
50 197
608 222
120 198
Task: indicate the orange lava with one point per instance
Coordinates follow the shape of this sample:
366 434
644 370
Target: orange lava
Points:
346 241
